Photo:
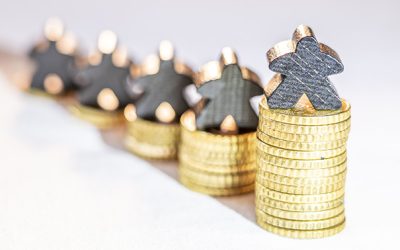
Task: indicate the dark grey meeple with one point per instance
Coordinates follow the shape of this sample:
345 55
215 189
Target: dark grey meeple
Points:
167 85
51 61
228 95
305 71
95 78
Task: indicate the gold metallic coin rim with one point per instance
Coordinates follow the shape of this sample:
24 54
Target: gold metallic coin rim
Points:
297 198
300 146
297 215
215 138
150 151
307 138
217 160
100 118
302 234
265 167
301 181
154 133
266 149
300 225
300 207
215 191
217 168
303 164
216 181
206 156
267 124
290 117
301 190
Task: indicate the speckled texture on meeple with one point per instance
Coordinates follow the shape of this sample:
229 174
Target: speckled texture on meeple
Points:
229 95
306 71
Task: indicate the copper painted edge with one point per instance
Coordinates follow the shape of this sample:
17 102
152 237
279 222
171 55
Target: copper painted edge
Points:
280 49
183 69
213 69
289 46
42 45
152 67
329 51
302 31
273 84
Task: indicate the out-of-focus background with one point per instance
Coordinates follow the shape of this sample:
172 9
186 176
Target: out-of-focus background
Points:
61 187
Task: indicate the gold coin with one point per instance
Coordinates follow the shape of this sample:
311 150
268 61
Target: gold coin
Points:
216 180
303 164
300 181
215 168
264 166
245 147
266 149
153 132
208 157
297 198
295 215
306 190
211 138
266 124
300 225
320 118
302 234
215 191
301 146
100 118
300 207
151 151
308 138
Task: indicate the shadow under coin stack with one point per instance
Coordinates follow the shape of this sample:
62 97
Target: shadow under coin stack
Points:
301 148
217 152
153 121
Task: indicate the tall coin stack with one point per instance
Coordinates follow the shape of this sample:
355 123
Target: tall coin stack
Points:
218 144
301 149
216 164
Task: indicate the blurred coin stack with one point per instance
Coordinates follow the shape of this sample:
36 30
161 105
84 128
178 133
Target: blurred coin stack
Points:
301 149
216 164
153 119
301 174
152 140
102 97
217 152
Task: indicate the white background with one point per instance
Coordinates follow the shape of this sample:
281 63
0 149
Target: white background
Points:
61 187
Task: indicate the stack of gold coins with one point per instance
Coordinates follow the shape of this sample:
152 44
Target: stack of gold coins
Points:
216 164
153 119
301 171
152 140
102 119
